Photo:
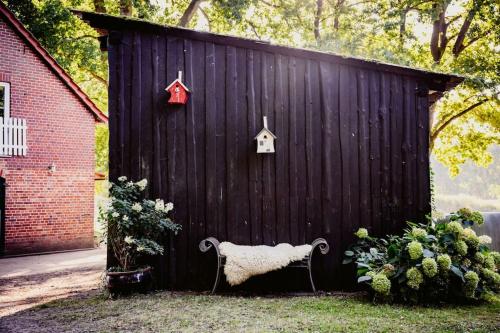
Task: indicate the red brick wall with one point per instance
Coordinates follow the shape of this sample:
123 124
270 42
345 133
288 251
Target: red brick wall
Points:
44 211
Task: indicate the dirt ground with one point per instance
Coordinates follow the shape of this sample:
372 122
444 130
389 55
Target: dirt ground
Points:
33 280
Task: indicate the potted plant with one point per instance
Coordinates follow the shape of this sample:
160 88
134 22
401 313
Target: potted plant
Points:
134 227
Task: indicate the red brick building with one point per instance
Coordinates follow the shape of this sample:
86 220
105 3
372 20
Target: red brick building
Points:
46 148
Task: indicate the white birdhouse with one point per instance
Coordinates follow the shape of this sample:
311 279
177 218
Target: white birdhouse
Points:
265 139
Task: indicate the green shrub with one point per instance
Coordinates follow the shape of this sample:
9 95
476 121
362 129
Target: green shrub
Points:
442 261
134 226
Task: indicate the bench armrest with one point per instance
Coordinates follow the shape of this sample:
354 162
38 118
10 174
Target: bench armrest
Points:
322 244
207 243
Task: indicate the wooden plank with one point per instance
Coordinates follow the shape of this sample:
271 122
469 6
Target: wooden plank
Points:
375 161
413 149
136 145
192 158
354 150
124 103
244 148
313 151
364 147
114 96
332 176
3 131
25 143
179 172
396 109
254 160
232 137
220 77
198 100
345 157
292 150
282 152
13 131
309 131
211 150
159 171
171 151
345 138
114 113
408 166
385 152
146 107
423 152
300 181
268 177
317 122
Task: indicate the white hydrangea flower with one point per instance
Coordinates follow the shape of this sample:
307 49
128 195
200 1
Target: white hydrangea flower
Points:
122 178
168 207
142 184
485 239
468 232
159 205
128 240
129 184
107 206
125 218
137 207
115 214
140 248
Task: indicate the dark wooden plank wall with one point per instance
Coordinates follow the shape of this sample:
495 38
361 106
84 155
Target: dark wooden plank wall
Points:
351 150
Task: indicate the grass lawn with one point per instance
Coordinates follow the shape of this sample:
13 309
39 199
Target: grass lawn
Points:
180 312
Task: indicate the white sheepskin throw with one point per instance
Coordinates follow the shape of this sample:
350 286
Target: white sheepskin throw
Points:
243 262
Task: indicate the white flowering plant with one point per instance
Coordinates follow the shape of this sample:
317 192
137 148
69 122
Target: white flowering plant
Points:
134 225
441 261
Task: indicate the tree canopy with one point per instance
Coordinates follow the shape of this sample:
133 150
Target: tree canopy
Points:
458 36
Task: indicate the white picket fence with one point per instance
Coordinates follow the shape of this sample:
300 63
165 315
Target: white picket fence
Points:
13 137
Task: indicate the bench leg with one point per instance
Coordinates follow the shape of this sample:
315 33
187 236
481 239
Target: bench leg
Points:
206 245
309 268
324 248
217 277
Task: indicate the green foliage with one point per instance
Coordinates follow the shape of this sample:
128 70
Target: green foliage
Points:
135 226
393 31
434 266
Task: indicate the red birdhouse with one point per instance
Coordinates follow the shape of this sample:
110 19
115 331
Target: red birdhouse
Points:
178 91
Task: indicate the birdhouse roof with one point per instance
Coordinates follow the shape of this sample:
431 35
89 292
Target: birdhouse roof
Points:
266 130
177 81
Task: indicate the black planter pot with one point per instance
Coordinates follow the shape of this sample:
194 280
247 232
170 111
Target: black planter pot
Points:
122 283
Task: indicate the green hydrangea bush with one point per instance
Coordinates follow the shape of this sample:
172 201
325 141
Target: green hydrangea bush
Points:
443 261
134 226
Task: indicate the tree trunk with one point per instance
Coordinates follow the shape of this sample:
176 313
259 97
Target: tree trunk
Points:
459 42
125 7
317 19
402 25
189 13
439 40
99 6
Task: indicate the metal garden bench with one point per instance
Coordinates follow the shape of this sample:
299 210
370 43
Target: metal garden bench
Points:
212 242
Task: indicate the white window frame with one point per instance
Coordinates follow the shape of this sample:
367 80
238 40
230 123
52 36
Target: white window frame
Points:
6 111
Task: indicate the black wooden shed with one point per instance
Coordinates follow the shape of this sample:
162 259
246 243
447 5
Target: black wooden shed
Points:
352 147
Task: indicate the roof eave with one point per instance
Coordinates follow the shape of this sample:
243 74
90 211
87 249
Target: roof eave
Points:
436 81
